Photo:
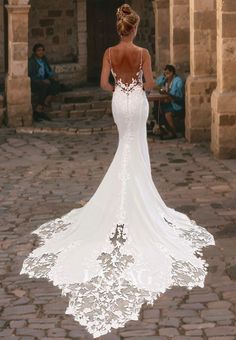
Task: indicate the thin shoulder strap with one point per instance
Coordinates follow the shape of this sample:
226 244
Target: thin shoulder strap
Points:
110 56
141 57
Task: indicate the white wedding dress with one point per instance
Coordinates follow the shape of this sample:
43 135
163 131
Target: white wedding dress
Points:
124 247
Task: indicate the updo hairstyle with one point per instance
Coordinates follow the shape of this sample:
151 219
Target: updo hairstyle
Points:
127 19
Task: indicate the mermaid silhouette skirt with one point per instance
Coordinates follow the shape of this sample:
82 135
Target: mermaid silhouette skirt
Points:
124 247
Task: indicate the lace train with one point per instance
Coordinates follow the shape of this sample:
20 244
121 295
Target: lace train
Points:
109 300
125 246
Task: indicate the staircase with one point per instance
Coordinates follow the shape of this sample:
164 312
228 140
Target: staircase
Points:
81 111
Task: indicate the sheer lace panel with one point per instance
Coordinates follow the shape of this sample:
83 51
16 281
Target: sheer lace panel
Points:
126 77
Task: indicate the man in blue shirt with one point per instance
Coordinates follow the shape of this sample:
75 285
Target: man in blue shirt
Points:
172 85
43 81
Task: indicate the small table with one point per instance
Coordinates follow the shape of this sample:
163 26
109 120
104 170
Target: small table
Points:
156 96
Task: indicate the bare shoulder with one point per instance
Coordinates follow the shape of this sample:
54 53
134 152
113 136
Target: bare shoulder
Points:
146 53
106 53
109 50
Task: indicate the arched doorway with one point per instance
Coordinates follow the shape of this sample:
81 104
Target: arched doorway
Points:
102 33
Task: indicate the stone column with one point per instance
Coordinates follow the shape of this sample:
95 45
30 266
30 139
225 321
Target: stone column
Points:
202 80
223 129
162 33
18 92
82 37
179 35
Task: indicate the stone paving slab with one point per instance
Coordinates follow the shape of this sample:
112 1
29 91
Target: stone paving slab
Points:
44 176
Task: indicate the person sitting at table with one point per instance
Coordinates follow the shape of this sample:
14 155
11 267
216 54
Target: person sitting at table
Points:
173 106
44 81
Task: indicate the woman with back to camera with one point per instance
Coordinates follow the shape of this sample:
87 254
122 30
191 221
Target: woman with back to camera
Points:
124 247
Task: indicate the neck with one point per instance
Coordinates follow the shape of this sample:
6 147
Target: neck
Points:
126 40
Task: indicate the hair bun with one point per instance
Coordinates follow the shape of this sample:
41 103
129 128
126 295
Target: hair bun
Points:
123 11
127 19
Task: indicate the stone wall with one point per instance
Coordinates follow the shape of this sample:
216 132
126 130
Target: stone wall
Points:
223 101
202 81
17 89
2 66
162 33
180 36
54 23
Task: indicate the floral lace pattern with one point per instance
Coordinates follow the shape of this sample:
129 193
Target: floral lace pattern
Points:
195 234
49 229
128 88
108 300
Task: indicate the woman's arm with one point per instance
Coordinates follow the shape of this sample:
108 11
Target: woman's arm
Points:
106 69
147 71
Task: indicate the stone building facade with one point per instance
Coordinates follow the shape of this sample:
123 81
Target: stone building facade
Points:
64 27
54 23
198 37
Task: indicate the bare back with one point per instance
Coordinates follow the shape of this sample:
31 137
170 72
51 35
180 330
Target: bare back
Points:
126 62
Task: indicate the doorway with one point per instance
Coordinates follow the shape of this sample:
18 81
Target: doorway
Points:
101 21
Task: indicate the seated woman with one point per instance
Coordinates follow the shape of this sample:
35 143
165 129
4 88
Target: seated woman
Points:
43 81
172 85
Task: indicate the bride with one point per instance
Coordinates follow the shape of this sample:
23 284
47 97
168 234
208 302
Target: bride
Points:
124 247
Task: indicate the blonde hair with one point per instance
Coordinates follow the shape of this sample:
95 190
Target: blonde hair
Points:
127 19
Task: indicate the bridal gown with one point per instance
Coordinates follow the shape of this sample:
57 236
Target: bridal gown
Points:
125 246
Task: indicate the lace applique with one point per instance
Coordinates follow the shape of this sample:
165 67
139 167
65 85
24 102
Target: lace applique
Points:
39 267
185 274
128 88
195 234
50 228
107 300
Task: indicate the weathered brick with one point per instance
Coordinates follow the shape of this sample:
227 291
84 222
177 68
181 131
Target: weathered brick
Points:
46 22
54 13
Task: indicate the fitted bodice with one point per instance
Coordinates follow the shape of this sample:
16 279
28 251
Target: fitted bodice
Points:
126 77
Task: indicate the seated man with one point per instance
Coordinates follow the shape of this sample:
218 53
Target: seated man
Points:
43 82
172 85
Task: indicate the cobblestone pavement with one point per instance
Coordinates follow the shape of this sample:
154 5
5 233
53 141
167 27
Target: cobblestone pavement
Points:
44 176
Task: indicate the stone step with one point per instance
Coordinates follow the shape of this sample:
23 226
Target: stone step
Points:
82 102
66 130
84 95
86 106
99 107
65 113
79 119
